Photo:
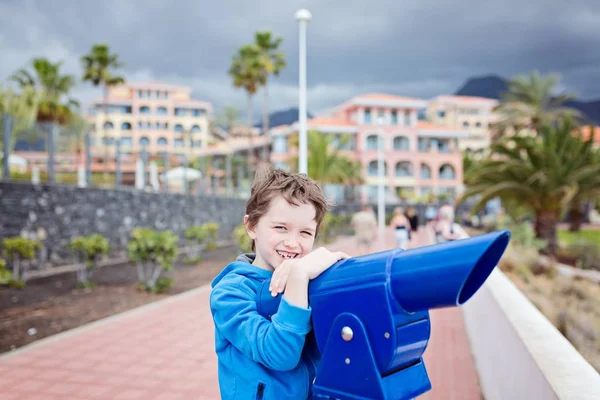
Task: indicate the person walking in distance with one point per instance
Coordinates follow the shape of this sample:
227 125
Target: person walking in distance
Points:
401 227
365 229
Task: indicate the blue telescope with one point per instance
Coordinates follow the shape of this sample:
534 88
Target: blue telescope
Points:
371 314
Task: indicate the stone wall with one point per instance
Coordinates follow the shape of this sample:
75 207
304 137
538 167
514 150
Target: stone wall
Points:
58 213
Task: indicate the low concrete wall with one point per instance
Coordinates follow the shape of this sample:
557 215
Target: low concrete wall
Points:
518 353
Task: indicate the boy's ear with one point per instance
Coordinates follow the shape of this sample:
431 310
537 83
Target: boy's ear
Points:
251 232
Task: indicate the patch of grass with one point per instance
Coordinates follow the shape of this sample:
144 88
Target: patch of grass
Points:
589 235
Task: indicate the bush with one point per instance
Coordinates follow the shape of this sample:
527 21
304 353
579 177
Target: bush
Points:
89 249
242 239
17 249
587 254
5 276
204 236
153 252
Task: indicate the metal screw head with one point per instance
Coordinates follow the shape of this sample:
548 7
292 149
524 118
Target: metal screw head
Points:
347 361
347 333
387 335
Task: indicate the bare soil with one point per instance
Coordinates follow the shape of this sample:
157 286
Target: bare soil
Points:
54 304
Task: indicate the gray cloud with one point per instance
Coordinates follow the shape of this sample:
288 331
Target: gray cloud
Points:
414 48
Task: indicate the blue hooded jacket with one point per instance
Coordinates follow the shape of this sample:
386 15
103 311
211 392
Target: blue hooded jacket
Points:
259 357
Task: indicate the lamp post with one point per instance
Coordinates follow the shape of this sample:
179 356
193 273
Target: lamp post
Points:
380 186
302 16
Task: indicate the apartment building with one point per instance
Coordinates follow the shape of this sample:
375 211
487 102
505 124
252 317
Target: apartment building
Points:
474 115
420 157
153 116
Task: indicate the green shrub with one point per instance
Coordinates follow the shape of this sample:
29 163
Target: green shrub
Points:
242 239
5 276
204 237
587 254
17 249
153 252
89 249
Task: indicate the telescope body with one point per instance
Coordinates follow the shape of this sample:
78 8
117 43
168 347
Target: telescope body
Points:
370 314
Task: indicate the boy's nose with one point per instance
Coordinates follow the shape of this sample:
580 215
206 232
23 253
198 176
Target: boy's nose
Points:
290 242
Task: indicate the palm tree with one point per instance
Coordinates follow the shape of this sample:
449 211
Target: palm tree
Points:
246 72
22 109
543 173
52 86
529 103
325 163
97 68
273 62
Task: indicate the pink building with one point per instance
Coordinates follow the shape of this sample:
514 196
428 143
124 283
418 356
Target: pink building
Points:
420 158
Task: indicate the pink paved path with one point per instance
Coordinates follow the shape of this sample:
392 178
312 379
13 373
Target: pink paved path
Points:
165 351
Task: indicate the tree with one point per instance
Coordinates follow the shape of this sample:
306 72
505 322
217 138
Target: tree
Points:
540 173
22 108
246 72
273 62
529 103
97 68
52 87
325 163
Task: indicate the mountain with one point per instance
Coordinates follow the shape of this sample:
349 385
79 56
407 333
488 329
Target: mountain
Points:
283 117
492 86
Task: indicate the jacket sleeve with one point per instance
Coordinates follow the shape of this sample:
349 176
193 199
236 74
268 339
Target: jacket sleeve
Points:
277 344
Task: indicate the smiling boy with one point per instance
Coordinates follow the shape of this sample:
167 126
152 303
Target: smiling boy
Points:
261 358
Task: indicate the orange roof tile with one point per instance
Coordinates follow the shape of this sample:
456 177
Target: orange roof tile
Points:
466 99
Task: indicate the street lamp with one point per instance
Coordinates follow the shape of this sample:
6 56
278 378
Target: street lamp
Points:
302 16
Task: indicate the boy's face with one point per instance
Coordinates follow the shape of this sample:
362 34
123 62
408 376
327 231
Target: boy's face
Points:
285 231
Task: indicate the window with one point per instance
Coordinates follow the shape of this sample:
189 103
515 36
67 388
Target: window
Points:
280 144
197 112
425 171
108 140
380 117
478 124
407 118
367 115
162 141
161 111
394 117
108 125
178 128
144 141
401 143
404 168
424 145
178 142
145 110
373 168
465 124
180 112
372 142
441 114
196 143
126 126
195 129
126 141
447 172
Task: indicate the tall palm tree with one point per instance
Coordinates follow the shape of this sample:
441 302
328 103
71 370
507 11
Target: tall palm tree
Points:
246 72
98 68
52 86
273 62
543 173
529 103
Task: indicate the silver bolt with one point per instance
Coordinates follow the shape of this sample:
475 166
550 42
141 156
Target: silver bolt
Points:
347 361
387 335
347 333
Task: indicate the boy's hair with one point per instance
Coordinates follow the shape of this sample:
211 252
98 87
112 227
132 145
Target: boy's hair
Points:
295 188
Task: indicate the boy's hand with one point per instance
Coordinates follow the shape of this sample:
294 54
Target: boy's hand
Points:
308 267
317 261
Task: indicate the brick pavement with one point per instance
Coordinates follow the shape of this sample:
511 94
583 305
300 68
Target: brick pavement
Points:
165 350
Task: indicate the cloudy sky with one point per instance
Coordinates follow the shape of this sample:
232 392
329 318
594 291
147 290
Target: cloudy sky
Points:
412 47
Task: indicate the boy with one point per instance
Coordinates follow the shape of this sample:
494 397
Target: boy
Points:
261 358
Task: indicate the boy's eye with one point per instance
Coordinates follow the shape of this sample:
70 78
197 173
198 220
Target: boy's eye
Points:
280 227
307 233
